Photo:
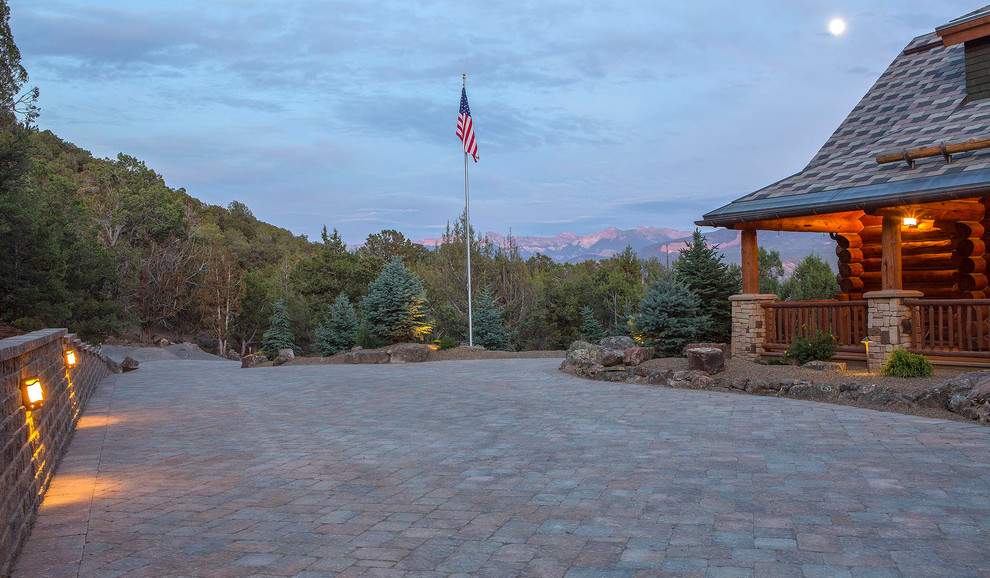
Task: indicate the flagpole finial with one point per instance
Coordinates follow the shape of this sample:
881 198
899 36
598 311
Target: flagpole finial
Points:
464 80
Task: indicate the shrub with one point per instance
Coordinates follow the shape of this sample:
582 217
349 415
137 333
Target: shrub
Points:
904 364
446 343
365 339
669 318
279 334
395 307
591 329
819 347
339 331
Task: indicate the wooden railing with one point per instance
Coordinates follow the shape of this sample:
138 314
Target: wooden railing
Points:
846 320
950 327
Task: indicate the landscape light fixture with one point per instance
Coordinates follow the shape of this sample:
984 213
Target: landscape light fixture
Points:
70 358
910 222
32 395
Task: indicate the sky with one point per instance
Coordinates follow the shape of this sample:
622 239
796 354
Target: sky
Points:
588 113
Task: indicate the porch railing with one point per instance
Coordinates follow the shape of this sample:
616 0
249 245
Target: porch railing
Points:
950 327
846 320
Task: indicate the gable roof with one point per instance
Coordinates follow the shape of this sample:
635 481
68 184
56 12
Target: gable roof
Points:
920 100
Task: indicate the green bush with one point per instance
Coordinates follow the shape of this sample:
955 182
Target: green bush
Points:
279 334
819 347
904 364
338 331
366 340
446 343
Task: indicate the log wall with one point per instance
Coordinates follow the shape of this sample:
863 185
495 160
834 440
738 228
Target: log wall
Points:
947 261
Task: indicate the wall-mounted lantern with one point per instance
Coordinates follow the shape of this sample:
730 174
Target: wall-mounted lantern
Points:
910 222
70 358
32 395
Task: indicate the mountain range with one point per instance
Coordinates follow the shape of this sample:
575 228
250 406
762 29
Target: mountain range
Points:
650 242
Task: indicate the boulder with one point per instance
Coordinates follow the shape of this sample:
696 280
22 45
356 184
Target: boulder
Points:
976 404
726 350
409 353
939 395
253 360
834 366
619 342
634 356
707 359
801 389
233 355
280 360
113 365
583 353
164 342
287 353
367 356
611 357
129 364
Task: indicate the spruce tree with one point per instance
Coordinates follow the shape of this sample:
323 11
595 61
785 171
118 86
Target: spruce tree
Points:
279 334
812 280
489 328
395 307
700 267
591 329
338 332
669 317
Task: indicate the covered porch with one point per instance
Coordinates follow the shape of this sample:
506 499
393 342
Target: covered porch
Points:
911 277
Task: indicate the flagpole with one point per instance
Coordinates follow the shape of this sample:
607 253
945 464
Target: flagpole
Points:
467 235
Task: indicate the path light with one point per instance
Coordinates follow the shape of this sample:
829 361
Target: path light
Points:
910 222
867 343
31 393
70 358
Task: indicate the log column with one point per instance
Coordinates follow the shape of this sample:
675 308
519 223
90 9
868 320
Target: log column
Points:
890 266
748 329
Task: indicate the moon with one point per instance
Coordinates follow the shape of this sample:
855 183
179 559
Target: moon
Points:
837 26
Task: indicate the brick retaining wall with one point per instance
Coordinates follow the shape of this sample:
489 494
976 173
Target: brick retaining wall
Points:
33 443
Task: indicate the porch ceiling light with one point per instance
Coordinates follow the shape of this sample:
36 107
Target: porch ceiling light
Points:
32 395
910 221
70 358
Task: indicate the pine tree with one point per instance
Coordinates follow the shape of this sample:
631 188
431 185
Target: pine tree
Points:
669 317
489 328
813 279
700 267
279 334
338 332
395 307
591 329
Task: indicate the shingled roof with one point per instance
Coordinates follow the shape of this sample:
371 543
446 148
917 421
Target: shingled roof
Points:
919 101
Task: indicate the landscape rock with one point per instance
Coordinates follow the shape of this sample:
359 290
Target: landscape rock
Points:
726 349
738 383
280 360
584 352
113 365
801 389
707 359
634 356
253 360
129 364
611 357
287 353
367 356
836 366
409 353
233 355
939 395
164 342
619 342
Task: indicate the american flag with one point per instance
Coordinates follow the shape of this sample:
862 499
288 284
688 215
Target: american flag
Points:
465 128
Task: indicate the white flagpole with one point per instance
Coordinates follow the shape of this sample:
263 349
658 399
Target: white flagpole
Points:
467 235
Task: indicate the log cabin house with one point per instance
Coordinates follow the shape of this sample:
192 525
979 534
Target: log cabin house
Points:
903 187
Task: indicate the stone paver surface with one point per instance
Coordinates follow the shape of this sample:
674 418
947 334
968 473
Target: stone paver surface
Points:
499 468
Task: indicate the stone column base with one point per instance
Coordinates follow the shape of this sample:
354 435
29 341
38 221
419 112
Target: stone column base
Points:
748 331
888 322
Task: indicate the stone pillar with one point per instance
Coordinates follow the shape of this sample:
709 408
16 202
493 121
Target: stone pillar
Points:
747 325
888 322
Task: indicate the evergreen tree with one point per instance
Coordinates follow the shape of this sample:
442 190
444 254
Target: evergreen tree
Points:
591 330
395 307
669 317
771 270
279 334
700 267
338 332
489 328
812 280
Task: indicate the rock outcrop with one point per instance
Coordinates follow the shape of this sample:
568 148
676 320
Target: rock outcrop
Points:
409 353
129 364
967 394
253 360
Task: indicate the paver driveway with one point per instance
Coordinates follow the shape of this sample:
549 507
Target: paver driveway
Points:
500 468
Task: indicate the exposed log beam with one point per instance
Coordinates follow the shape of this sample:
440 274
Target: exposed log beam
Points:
942 211
933 151
818 224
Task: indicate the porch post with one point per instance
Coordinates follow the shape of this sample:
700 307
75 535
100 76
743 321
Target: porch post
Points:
748 330
890 255
888 324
